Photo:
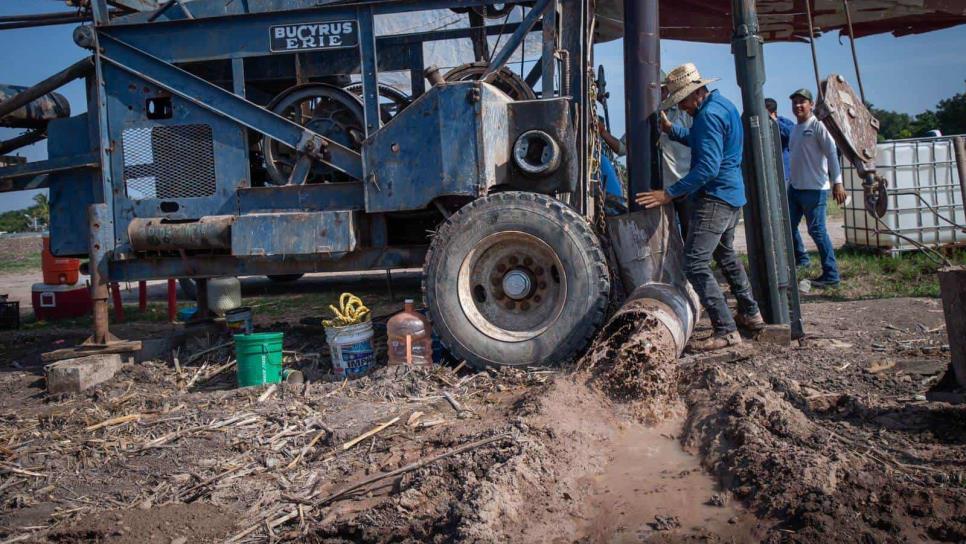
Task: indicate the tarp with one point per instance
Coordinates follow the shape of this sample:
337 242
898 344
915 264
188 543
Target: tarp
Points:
785 20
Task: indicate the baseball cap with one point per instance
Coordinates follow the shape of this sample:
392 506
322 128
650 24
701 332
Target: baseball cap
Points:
804 93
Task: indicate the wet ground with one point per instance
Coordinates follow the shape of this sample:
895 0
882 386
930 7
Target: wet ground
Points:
833 439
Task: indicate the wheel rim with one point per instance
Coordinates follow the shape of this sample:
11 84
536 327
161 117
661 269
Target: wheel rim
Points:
512 286
328 111
506 80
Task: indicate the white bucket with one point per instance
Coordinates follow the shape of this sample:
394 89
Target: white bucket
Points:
351 347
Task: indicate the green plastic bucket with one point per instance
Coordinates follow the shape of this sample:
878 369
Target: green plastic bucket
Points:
259 358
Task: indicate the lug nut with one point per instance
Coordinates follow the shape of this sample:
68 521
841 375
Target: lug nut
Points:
524 306
510 305
527 261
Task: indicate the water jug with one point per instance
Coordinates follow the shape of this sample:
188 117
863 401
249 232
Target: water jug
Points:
410 337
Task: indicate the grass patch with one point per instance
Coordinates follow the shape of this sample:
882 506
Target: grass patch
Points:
20 263
154 313
869 275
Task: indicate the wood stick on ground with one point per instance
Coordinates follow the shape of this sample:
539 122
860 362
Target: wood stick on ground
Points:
268 393
196 356
366 435
306 449
217 371
114 421
409 468
197 375
453 402
17 470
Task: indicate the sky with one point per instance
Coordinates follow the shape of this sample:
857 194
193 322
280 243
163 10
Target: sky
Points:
909 74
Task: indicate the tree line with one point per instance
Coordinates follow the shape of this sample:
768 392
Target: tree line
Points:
36 217
949 117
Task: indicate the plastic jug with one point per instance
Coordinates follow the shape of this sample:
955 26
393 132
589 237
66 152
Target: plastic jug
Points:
410 337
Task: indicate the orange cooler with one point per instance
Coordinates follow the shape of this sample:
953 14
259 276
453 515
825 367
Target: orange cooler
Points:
58 271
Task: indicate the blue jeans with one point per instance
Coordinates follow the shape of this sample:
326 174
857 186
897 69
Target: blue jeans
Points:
812 204
711 234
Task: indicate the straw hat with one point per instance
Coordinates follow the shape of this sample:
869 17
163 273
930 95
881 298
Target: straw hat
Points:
681 82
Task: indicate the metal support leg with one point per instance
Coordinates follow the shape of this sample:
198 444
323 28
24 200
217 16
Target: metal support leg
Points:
202 298
142 296
99 275
767 240
172 300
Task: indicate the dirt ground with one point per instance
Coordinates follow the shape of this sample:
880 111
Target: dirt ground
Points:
836 438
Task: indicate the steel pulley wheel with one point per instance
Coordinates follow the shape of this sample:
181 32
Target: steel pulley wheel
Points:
516 279
325 109
391 99
506 80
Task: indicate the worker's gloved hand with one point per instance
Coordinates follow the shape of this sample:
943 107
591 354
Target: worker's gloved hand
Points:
839 194
652 199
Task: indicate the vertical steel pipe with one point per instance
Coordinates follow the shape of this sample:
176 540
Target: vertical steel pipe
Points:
99 232
642 85
764 215
855 56
118 303
142 295
172 300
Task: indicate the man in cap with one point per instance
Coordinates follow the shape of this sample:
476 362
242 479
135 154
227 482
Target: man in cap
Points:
785 127
675 156
718 190
814 162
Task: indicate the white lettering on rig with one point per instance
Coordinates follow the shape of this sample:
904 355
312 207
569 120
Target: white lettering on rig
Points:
327 35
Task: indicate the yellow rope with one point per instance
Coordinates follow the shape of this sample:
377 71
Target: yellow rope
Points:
351 311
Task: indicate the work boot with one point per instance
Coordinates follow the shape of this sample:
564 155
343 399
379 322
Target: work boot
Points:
716 342
753 323
822 283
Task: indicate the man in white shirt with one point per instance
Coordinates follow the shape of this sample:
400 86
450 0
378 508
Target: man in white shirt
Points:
675 156
814 164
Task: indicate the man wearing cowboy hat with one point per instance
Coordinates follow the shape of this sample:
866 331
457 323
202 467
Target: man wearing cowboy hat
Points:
718 190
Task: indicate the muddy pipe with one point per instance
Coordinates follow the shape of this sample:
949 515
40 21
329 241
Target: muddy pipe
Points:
676 307
649 251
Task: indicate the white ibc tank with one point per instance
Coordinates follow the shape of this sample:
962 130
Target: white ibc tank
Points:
923 184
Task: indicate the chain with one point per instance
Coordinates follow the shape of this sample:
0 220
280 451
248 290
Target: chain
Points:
594 173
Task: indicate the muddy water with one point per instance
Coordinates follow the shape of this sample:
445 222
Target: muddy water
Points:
650 479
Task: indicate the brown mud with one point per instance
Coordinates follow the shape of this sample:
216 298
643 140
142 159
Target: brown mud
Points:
832 439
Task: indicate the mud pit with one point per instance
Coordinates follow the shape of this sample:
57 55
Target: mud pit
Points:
825 441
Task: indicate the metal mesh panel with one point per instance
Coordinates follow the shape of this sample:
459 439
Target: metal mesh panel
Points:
169 162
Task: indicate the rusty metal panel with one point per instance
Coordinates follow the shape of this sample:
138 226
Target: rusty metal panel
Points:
155 234
784 20
266 234
451 141
851 124
551 116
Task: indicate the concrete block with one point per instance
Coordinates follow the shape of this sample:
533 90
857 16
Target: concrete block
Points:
780 335
75 375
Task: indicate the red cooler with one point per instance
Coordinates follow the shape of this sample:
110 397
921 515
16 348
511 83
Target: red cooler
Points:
52 302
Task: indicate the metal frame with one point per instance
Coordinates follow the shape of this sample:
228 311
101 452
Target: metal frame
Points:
864 228
165 51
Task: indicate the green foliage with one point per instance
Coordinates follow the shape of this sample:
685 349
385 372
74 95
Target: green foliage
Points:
951 114
949 117
22 220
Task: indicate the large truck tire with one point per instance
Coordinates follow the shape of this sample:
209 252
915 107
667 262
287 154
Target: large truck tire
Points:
516 279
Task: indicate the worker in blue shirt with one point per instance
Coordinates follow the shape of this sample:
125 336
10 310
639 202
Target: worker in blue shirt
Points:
718 190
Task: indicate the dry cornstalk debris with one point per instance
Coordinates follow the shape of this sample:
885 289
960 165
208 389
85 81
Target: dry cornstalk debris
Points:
114 421
373 432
